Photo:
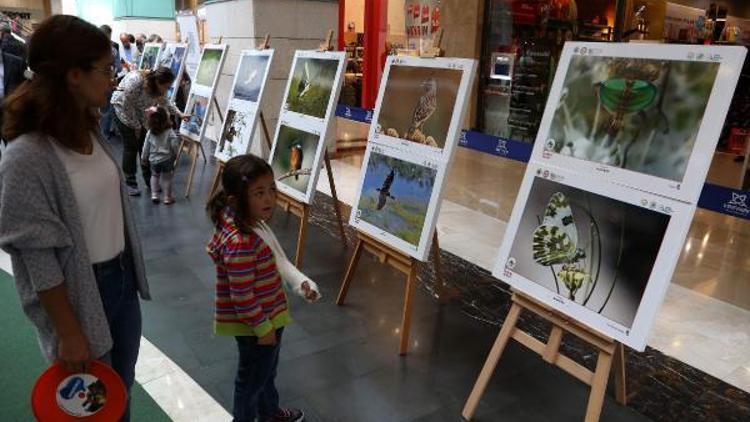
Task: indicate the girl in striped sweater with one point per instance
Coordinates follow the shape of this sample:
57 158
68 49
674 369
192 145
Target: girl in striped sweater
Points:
251 303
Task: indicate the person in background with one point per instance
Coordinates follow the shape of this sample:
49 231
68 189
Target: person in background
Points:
106 120
65 219
155 38
9 43
140 43
251 273
128 52
138 91
159 152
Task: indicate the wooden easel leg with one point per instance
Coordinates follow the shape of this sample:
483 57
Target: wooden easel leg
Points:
217 181
618 367
491 363
194 155
411 282
301 237
336 203
179 151
203 153
598 387
349 273
265 130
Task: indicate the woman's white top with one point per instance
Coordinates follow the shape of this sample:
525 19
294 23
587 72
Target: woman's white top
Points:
96 187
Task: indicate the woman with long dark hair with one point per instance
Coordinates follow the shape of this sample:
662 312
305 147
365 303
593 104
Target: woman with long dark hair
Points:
64 213
138 91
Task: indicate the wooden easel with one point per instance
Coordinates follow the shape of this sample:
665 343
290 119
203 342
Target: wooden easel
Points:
401 262
611 355
301 209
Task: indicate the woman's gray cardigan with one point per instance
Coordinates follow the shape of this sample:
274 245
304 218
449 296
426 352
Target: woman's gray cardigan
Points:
41 229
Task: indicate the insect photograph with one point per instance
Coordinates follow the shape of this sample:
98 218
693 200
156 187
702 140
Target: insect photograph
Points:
396 195
596 251
637 114
294 157
418 104
311 86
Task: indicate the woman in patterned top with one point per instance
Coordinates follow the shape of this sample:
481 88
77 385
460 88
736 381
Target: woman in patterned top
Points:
251 303
138 91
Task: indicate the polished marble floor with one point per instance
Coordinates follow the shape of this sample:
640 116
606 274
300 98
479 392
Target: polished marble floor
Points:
705 320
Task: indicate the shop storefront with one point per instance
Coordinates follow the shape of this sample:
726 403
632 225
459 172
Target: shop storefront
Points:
518 44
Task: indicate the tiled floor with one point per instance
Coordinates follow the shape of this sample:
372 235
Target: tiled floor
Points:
341 363
705 320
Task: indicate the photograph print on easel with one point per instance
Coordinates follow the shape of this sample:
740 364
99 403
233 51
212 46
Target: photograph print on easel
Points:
311 86
200 100
601 254
244 104
398 199
421 103
648 116
150 56
310 98
173 57
294 158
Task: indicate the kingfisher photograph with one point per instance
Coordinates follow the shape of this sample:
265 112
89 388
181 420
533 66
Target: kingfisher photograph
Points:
311 86
418 104
294 157
396 195
637 114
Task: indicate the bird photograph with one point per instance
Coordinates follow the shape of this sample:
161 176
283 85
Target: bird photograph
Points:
294 157
250 77
418 104
385 190
388 178
311 86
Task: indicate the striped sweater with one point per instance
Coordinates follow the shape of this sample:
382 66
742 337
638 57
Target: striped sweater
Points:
250 270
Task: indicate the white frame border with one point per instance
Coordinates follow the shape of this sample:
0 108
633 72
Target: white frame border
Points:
321 127
205 91
181 71
243 106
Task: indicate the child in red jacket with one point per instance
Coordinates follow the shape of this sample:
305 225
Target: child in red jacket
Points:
251 303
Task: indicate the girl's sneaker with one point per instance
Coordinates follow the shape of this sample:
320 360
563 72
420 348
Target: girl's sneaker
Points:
133 190
155 197
288 415
168 200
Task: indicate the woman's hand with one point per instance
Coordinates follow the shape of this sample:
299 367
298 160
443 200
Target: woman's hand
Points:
311 295
268 339
73 351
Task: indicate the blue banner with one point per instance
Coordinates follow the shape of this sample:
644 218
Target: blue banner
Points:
725 200
713 197
354 113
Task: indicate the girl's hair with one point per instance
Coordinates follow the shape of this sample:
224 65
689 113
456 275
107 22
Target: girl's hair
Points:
239 173
158 121
44 103
161 75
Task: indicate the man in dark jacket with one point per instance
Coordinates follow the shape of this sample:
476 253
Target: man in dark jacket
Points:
10 44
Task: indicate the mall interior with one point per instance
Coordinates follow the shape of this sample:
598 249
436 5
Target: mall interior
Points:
424 332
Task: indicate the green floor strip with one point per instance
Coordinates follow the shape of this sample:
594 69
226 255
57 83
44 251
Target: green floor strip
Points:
22 362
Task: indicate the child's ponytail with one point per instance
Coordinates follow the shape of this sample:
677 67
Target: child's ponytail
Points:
239 173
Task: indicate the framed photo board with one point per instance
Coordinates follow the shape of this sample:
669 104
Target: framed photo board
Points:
202 90
307 109
243 108
415 129
173 56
